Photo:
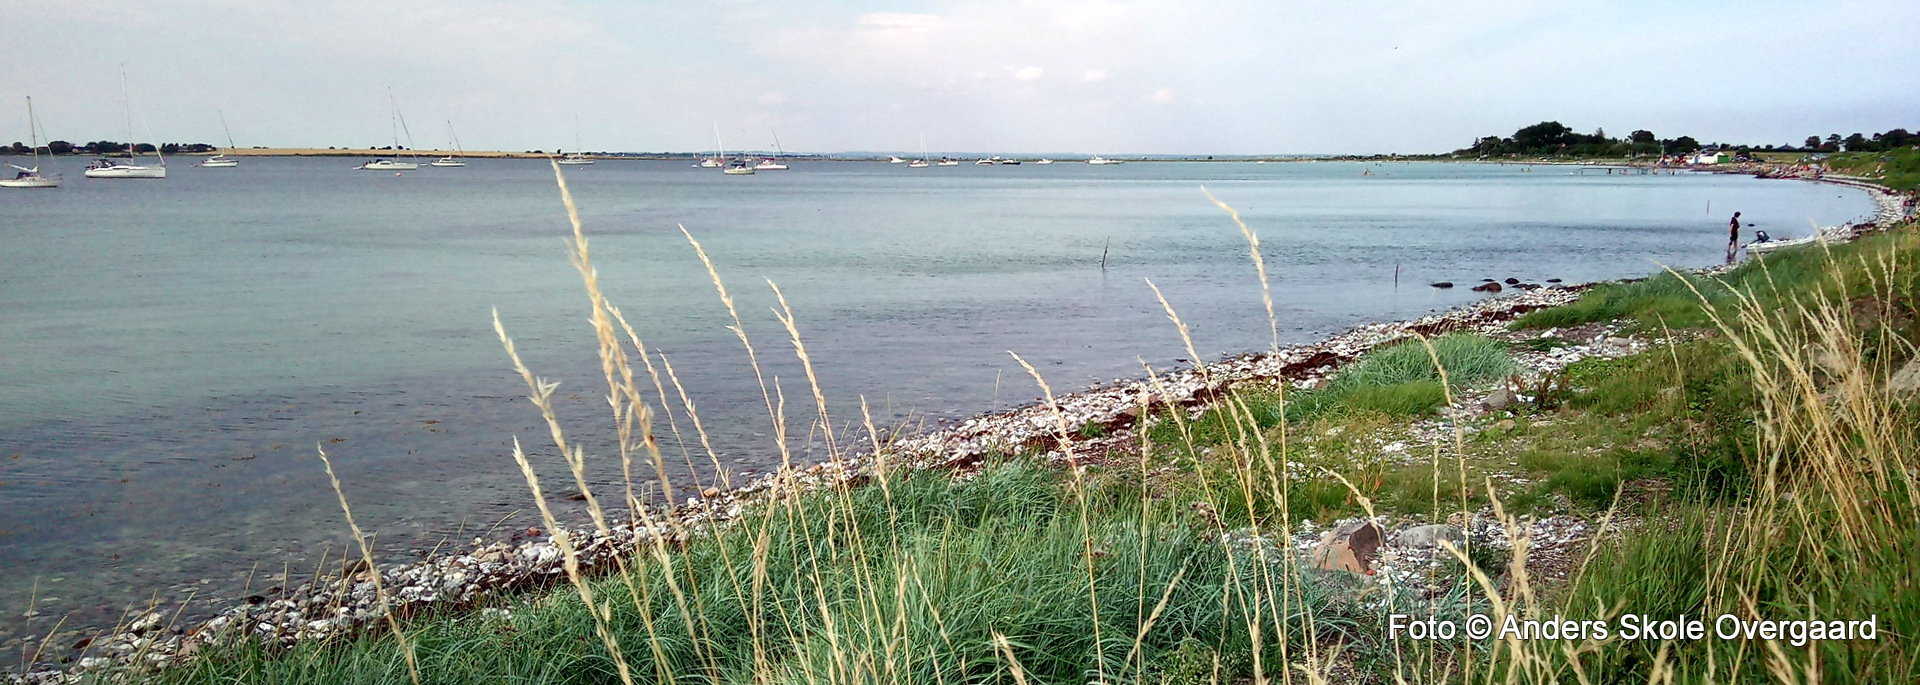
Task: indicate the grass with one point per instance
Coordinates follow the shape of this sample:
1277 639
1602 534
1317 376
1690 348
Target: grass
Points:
1790 492
1898 169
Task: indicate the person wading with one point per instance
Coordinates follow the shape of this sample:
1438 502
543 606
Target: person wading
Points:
1733 237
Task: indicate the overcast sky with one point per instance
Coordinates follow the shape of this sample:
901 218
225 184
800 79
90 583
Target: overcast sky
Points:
1093 76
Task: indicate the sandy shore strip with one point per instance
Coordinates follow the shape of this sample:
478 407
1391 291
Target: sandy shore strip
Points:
349 603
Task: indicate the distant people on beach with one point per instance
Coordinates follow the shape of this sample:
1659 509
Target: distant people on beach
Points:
1733 237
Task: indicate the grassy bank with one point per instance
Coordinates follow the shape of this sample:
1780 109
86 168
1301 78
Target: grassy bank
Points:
1756 456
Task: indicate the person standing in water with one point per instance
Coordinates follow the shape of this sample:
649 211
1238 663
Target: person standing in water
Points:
1733 237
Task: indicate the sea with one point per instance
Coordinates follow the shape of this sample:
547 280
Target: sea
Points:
175 353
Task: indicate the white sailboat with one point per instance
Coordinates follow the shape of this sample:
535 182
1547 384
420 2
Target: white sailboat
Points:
576 158
395 122
113 168
1044 161
1097 160
773 163
920 163
736 167
30 177
895 159
220 161
948 161
452 160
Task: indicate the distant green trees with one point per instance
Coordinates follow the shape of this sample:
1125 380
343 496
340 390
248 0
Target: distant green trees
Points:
1554 139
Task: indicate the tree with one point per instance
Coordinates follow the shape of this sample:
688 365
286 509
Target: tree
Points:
60 147
1832 144
143 148
1642 137
170 148
1813 143
1681 145
19 149
1541 137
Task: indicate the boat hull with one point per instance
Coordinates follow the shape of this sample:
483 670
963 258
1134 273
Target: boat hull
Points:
128 172
576 162
444 163
739 172
389 166
219 164
30 183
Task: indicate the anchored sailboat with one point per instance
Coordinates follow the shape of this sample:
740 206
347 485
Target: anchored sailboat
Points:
30 177
773 163
452 160
398 123
112 168
576 158
220 161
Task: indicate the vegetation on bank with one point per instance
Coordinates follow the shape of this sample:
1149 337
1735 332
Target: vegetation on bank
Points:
1769 467
1554 139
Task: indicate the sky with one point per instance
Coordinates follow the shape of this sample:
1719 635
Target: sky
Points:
1111 77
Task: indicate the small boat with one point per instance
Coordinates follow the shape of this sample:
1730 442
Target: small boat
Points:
919 164
388 165
1765 244
984 162
450 160
708 163
30 177
575 159
895 159
1044 161
1098 160
1010 162
948 161
220 161
738 167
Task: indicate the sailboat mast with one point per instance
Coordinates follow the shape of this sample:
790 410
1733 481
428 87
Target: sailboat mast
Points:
33 134
223 128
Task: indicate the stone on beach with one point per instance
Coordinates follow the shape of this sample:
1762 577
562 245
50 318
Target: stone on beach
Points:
1351 546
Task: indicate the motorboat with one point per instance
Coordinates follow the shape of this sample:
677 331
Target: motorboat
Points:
1098 160
1044 161
895 159
30 177
738 167
948 161
709 163
1010 162
984 162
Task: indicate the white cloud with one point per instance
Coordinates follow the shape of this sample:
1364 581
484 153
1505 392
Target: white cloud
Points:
1094 75
1029 74
1164 96
773 97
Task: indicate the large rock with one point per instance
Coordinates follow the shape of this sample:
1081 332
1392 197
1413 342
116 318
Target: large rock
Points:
1906 381
1429 536
1500 399
1351 547
1487 288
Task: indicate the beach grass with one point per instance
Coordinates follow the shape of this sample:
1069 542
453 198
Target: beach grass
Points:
1764 467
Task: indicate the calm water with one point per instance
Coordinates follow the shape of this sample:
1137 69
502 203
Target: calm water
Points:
172 351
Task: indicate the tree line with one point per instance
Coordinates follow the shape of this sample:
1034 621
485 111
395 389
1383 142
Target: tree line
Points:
107 147
1552 138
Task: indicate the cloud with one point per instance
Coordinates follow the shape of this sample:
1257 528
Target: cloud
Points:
1029 74
1164 96
895 22
1094 75
773 97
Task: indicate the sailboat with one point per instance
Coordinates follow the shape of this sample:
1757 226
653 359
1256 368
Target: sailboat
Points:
450 160
895 159
920 163
396 122
111 168
948 161
773 163
30 177
220 161
576 158
737 167
1097 160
